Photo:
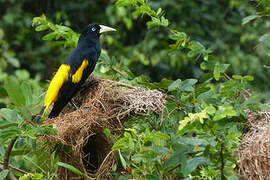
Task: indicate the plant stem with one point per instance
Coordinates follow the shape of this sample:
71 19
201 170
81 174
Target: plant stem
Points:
222 160
6 157
15 168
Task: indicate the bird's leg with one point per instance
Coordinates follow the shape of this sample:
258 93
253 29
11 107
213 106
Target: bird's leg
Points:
73 104
83 89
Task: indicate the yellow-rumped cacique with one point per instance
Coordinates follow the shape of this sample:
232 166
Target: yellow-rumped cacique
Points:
71 75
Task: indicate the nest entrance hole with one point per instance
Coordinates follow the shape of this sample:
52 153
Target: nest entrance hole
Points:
95 149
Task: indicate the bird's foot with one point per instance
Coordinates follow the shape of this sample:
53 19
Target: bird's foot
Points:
77 108
86 108
73 104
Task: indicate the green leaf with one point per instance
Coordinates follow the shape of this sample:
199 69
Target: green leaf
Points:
194 141
37 176
164 21
125 143
210 63
22 74
6 125
159 11
196 49
191 164
265 40
233 177
210 109
177 157
122 160
161 135
145 9
31 176
39 20
238 77
137 158
223 67
42 27
31 133
248 78
27 93
158 137
22 151
249 18
175 85
14 91
125 2
179 35
163 84
216 72
8 114
103 69
72 169
154 22
191 118
231 87
9 133
153 177
224 111
187 84
50 36
47 130
4 173
10 58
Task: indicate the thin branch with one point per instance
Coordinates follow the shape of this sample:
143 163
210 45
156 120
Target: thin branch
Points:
172 173
15 168
7 153
222 160
227 76
6 158
177 166
176 101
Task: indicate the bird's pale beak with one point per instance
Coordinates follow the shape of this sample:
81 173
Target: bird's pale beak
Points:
105 29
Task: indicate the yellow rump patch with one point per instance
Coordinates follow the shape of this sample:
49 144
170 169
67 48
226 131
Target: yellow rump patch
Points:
78 74
57 82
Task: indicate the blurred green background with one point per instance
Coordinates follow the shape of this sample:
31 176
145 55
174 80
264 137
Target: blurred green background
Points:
217 24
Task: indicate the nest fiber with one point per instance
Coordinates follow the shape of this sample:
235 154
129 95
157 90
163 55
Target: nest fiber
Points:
254 151
103 104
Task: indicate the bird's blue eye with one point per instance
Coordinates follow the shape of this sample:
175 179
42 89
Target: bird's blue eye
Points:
93 29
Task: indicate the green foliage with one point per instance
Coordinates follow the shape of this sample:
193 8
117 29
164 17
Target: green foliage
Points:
23 100
3 174
72 169
70 38
249 18
31 176
207 124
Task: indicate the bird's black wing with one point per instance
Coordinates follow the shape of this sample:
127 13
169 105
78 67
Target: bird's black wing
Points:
79 61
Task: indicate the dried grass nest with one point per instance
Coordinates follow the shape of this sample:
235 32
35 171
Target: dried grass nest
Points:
254 150
104 104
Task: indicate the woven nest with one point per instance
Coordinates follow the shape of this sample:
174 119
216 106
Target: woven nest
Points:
103 104
254 151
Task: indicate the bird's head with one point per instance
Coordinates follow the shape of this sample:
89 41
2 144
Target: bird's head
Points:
93 31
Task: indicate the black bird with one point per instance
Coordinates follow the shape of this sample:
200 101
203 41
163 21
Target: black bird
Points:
74 71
